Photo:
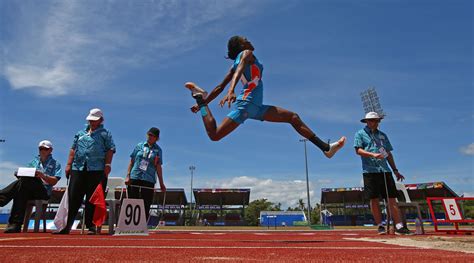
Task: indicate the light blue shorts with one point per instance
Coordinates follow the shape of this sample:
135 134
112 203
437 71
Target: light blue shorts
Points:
246 110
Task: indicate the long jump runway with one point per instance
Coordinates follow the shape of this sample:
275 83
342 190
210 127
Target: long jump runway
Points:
220 246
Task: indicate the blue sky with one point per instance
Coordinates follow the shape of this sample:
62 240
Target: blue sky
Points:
131 58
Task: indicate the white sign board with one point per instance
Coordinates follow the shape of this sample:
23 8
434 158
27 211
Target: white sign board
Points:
132 220
452 209
26 172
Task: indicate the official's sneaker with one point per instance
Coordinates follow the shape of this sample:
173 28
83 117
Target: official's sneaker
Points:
381 230
64 231
195 90
92 231
13 228
403 232
335 146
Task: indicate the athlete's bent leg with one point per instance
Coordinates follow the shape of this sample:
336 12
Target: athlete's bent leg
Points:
217 133
277 114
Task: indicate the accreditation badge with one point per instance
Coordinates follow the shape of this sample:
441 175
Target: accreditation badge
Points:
143 164
383 152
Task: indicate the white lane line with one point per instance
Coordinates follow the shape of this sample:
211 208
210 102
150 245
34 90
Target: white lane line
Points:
204 247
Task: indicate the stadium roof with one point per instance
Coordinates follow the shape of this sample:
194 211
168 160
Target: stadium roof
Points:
174 197
221 197
356 194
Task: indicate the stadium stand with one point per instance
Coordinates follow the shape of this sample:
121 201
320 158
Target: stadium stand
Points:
349 205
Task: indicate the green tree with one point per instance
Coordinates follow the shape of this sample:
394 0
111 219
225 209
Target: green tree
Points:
316 214
252 212
301 204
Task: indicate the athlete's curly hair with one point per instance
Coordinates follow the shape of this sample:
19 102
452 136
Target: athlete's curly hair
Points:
234 47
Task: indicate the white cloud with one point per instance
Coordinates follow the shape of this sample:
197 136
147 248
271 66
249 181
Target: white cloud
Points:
468 150
74 46
7 169
285 192
50 82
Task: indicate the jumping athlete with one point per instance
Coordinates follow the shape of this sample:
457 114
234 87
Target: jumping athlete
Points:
248 104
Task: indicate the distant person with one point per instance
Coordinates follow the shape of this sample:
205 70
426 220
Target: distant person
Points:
144 167
48 173
89 163
375 150
249 103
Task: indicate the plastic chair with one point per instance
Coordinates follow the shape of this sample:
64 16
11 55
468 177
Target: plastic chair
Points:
112 202
407 204
40 214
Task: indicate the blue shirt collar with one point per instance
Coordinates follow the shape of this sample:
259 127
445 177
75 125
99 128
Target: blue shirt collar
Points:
87 127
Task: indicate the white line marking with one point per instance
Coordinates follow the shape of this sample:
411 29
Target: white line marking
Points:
211 247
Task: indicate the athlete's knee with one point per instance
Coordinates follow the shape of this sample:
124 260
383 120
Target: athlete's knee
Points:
295 118
214 137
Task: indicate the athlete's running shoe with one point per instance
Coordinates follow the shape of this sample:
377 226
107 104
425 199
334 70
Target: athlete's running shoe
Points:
334 147
195 90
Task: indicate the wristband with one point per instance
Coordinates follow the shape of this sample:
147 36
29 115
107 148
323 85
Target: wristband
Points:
108 164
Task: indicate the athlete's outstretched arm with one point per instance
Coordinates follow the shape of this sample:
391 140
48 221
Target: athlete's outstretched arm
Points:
216 91
219 88
230 98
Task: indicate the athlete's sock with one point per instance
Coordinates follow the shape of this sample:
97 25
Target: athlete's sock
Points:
321 145
201 104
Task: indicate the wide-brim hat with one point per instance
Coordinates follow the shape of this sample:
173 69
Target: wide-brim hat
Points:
371 116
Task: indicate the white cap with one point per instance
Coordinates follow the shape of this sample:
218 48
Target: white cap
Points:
371 115
94 115
45 144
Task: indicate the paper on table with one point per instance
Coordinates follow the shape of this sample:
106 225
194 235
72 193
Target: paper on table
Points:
27 172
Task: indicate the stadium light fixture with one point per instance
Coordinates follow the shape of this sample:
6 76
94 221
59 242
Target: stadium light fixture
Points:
370 101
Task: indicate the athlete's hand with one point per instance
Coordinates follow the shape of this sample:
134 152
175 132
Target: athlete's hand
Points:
195 108
399 176
229 98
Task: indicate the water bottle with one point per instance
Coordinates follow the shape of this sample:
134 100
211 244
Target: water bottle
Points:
419 228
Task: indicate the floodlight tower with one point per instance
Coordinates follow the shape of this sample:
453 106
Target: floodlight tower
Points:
370 101
191 169
307 179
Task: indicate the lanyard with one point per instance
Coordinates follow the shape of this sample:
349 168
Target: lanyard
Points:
147 151
41 164
372 137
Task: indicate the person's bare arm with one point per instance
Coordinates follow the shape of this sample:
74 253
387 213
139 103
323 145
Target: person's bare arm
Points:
247 58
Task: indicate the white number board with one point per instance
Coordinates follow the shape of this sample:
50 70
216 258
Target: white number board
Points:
452 209
132 219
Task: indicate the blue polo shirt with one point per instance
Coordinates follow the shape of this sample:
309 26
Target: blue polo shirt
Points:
50 167
90 148
144 153
371 142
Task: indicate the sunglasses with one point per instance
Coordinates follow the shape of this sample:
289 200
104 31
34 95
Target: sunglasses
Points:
152 135
373 120
44 149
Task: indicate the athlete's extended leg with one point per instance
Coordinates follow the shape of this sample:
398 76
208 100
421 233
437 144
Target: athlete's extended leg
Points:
277 114
215 133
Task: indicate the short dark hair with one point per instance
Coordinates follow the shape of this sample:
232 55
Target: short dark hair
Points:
234 47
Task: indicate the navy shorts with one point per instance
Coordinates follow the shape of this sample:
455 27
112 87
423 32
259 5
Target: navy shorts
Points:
374 185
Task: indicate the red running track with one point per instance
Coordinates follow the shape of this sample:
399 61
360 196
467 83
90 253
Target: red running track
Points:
219 246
